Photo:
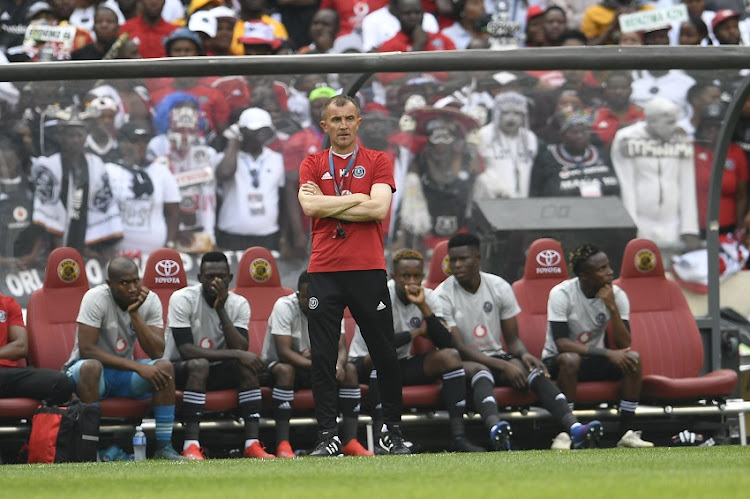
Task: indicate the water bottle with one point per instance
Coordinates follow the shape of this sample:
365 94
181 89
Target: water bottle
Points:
139 444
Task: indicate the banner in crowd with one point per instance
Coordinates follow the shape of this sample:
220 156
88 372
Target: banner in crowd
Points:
649 20
21 283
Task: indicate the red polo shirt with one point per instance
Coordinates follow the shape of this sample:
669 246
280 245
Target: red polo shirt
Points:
606 124
150 39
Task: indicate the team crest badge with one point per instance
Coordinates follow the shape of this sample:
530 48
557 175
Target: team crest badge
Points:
312 303
415 322
600 318
487 307
68 270
3 316
645 260
20 214
359 171
446 266
260 270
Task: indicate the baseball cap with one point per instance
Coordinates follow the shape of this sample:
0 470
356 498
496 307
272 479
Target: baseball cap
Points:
322 92
132 131
722 16
203 22
534 11
223 11
255 118
183 34
259 34
37 8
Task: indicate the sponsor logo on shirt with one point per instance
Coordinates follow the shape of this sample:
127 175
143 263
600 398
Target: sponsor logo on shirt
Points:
584 337
121 345
480 331
206 343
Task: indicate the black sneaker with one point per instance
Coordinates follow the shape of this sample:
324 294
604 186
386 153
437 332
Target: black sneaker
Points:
396 438
327 446
463 444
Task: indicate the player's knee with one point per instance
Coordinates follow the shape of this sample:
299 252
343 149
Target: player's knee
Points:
90 372
283 374
448 359
166 366
632 354
569 361
472 368
198 367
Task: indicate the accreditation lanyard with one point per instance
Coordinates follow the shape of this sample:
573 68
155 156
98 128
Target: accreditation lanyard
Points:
339 186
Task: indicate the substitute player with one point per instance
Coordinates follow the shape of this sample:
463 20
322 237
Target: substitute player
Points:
576 349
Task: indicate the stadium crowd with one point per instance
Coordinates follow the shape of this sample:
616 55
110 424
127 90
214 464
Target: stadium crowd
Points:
122 167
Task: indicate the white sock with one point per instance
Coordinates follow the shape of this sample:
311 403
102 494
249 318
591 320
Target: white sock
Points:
188 443
250 442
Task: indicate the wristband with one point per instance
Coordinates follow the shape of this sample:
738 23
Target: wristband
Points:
597 352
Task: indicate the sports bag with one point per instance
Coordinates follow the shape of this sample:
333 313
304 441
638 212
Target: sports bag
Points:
62 434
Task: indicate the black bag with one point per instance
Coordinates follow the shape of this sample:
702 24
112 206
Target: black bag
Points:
62 434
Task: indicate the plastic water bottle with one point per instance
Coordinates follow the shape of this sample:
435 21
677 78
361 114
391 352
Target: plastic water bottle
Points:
139 444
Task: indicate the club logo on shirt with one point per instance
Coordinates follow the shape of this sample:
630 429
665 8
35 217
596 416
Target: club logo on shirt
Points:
645 260
600 318
167 270
729 165
549 262
312 303
20 214
480 331
359 171
260 270
487 307
206 343
446 266
121 345
68 270
415 322
3 316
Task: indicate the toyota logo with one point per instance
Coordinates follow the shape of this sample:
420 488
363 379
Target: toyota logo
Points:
167 268
548 258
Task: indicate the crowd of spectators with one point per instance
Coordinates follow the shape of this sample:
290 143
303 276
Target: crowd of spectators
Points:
126 166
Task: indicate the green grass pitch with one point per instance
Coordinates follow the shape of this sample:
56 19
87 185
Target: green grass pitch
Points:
714 472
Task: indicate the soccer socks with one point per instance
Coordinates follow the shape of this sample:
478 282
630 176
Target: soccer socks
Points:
250 403
551 398
192 408
454 397
349 399
376 406
283 397
482 387
627 414
164 416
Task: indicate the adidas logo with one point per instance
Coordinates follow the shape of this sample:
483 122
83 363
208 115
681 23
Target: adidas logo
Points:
356 409
461 403
326 176
381 306
285 405
489 399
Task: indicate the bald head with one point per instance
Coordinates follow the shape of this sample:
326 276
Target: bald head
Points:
119 267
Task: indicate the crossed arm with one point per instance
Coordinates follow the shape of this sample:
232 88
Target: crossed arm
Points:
356 207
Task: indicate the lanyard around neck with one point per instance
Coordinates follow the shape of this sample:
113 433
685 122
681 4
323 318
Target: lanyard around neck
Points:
339 186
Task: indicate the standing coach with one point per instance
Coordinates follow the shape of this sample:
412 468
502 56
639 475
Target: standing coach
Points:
347 191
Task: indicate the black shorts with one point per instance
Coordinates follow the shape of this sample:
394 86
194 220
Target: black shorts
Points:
222 375
497 374
302 377
363 369
592 369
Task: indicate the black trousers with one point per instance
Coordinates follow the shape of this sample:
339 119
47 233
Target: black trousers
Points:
43 384
366 294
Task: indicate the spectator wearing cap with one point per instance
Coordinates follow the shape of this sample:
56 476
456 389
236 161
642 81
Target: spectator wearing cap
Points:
85 11
254 11
726 28
147 193
252 179
324 28
105 28
656 36
101 139
465 15
221 43
185 43
383 24
733 202
258 39
148 29
60 48
535 26
204 25
600 22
